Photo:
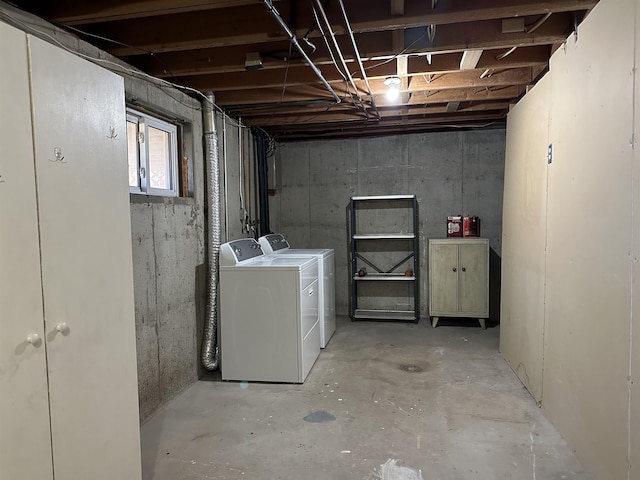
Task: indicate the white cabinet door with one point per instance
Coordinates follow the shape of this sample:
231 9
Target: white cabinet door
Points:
473 274
25 440
443 278
85 231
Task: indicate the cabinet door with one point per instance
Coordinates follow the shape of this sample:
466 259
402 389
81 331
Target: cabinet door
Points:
85 226
473 274
443 279
25 439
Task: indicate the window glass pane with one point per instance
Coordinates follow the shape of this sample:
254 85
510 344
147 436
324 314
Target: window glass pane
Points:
159 159
132 151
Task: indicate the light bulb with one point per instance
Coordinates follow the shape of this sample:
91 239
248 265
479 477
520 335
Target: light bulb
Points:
392 94
393 84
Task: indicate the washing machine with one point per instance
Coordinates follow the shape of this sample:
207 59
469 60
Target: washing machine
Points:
276 244
269 327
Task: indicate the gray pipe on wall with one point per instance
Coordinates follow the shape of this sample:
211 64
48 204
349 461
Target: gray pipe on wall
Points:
210 350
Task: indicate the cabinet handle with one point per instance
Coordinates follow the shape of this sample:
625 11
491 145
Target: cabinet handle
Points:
34 339
464 269
454 269
311 292
62 327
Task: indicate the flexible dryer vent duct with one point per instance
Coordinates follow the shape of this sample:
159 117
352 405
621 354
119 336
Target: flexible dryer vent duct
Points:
210 350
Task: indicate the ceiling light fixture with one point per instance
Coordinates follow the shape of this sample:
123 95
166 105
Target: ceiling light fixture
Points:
393 88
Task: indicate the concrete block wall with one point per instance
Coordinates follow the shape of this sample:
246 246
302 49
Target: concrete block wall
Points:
449 172
168 247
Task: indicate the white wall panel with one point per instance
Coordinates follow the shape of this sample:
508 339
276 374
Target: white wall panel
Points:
524 229
586 351
83 200
634 420
24 401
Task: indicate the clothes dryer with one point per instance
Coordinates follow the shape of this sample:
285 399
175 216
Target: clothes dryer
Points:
276 244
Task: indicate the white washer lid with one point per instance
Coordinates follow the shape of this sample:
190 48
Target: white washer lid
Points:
319 252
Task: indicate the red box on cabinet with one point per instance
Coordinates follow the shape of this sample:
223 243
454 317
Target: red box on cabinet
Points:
471 226
454 226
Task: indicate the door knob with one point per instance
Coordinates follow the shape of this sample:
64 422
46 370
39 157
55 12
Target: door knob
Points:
34 339
62 327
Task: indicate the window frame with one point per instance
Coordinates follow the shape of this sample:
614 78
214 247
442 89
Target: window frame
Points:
144 121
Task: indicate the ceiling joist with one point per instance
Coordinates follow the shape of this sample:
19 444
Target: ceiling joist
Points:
461 63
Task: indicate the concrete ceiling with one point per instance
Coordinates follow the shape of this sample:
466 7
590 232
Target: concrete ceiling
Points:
460 63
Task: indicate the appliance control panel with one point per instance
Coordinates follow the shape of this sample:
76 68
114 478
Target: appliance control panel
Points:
274 242
236 251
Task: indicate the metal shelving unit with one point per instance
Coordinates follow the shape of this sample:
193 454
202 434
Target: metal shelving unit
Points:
359 259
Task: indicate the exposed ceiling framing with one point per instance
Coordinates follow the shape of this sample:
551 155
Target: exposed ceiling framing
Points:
448 54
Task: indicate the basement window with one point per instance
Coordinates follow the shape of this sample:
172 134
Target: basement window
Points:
153 155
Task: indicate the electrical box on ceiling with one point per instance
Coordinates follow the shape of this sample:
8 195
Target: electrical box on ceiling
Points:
253 61
513 25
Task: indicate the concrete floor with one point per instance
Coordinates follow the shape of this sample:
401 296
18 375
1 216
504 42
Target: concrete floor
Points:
410 403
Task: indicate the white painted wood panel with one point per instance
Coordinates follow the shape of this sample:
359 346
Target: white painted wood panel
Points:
25 439
634 407
524 230
78 111
586 350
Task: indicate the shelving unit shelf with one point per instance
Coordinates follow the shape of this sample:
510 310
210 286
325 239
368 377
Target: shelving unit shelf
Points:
365 239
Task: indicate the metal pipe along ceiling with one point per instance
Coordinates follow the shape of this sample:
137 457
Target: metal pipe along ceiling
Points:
337 47
275 14
357 52
210 350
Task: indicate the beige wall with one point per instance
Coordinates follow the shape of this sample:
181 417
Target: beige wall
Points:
524 236
569 278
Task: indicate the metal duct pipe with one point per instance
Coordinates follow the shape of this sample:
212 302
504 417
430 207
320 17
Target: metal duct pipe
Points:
357 52
210 350
337 47
292 37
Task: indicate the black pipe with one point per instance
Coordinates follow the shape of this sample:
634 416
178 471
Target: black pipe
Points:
262 143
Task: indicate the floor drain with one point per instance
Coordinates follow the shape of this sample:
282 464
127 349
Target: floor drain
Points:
319 416
411 368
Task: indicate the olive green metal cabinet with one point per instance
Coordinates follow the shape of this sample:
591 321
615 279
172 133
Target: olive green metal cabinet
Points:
459 279
68 376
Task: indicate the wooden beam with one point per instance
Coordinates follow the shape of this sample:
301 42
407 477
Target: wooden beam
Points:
269 79
231 59
452 107
391 121
218 29
370 16
354 115
301 94
470 59
72 12
368 131
251 114
397 7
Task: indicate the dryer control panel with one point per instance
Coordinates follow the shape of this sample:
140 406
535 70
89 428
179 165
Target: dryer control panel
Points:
273 242
237 251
